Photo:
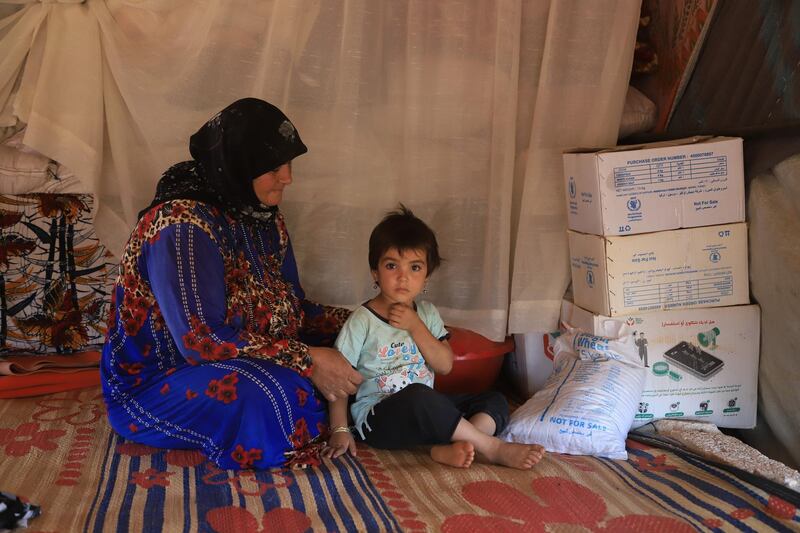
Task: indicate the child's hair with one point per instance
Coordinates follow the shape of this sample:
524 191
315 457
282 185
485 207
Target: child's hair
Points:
401 229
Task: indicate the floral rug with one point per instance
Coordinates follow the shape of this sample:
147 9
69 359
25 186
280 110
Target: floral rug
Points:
57 451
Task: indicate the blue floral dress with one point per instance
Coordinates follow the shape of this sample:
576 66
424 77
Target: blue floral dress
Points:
208 337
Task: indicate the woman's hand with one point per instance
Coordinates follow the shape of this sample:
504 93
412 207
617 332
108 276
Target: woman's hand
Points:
332 374
339 444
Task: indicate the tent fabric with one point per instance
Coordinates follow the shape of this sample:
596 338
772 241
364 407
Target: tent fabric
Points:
774 214
459 109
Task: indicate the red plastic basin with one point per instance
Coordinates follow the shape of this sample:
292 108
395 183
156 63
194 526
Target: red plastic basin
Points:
476 362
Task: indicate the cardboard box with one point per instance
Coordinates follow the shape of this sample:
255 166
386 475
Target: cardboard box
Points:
696 267
655 187
702 364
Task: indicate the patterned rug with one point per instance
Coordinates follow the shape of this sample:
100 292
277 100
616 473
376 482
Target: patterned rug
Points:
58 452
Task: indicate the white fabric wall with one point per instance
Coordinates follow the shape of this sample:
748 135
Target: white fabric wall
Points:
458 108
773 211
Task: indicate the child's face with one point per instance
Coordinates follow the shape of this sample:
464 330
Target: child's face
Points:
401 275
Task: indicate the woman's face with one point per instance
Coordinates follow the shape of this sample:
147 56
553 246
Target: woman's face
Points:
269 187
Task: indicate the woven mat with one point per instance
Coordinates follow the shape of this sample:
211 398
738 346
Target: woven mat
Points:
59 452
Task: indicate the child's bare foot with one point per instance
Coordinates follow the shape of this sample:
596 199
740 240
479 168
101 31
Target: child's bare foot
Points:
515 455
459 454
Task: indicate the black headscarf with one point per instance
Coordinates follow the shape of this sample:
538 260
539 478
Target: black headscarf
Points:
240 143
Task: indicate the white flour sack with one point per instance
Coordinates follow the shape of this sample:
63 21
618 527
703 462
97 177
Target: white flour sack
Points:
587 406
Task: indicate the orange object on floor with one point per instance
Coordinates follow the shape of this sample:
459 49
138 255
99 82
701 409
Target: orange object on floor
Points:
18 365
476 362
47 383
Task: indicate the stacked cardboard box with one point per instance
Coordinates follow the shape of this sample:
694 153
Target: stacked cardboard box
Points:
658 242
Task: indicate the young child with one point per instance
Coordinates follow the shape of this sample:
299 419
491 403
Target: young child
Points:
398 345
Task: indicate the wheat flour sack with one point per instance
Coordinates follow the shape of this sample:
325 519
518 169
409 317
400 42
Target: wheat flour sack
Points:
588 404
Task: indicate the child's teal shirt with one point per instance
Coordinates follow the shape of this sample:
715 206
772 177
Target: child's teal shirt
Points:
387 357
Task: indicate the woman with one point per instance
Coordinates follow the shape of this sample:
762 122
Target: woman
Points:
211 344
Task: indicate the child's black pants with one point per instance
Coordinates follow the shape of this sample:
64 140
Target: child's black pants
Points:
419 415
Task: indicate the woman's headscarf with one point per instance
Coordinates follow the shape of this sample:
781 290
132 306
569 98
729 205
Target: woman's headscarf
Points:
240 143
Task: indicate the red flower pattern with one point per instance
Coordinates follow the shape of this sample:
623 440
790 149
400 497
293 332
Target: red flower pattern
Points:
226 394
262 317
133 311
743 513
145 223
226 350
657 463
302 397
206 349
150 478
223 389
190 341
199 327
236 519
198 338
75 412
246 458
300 436
230 379
132 368
20 441
780 508
515 511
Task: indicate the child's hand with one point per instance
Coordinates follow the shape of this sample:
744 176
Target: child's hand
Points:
338 444
404 317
